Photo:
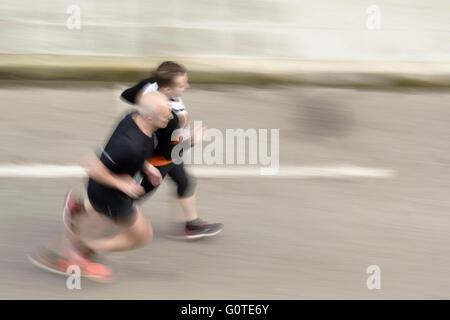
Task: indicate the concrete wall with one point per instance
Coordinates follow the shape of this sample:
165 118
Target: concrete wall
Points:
411 30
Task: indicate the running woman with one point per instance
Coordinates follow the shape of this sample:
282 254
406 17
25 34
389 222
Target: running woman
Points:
171 79
111 192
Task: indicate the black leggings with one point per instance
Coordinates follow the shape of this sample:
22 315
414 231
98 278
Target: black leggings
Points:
185 183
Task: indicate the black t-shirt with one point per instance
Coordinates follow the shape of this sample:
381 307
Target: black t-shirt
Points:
125 153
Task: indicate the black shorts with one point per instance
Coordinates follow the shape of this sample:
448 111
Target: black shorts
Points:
111 202
185 183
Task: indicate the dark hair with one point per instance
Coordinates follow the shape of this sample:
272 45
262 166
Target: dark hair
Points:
167 71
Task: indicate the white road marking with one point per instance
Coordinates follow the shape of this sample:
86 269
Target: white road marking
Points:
337 171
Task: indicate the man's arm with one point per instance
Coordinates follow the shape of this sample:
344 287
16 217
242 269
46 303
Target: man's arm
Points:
97 171
153 174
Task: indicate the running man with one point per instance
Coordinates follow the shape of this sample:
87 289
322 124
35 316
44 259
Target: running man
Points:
171 79
111 192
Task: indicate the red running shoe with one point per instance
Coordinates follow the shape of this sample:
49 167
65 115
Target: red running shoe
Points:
89 269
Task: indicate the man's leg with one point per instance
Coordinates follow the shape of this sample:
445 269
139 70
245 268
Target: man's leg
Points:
90 225
135 233
79 224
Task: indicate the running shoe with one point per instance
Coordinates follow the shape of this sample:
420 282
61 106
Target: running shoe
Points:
90 269
196 229
50 261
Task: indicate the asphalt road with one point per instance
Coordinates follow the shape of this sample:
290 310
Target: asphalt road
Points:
284 238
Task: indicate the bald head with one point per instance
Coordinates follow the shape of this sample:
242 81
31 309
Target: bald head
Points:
154 106
150 102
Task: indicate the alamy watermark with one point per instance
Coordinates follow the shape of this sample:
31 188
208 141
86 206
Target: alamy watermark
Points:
74 21
236 146
374 280
373 21
74 279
